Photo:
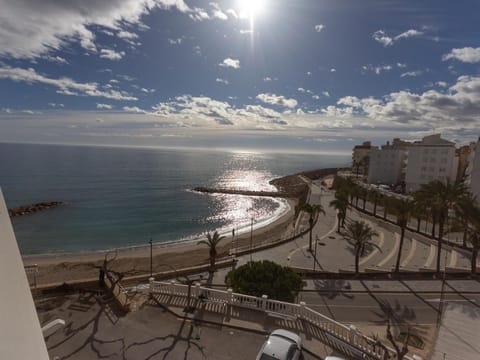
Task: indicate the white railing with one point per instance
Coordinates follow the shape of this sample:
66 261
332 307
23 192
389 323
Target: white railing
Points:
345 338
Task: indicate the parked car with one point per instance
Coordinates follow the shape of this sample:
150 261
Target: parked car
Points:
281 345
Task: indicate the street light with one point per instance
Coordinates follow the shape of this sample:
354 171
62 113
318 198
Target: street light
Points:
251 240
151 257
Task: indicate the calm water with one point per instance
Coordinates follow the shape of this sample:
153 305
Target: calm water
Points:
119 197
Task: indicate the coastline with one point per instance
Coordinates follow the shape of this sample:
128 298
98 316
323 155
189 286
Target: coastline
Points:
64 267
61 268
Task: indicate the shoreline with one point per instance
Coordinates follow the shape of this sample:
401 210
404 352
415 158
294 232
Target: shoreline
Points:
143 250
136 261
61 268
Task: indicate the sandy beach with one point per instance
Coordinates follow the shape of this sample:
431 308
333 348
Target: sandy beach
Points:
59 268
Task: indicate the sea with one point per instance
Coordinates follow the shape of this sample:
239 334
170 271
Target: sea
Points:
119 197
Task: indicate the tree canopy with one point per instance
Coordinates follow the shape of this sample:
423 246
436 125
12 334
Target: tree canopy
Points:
265 277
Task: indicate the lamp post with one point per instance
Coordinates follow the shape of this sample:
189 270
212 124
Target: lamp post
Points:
151 257
251 240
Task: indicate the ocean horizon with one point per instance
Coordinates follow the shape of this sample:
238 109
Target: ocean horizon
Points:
119 197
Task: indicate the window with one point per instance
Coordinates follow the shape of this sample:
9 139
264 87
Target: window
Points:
424 168
442 169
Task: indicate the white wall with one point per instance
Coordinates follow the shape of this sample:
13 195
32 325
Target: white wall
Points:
20 333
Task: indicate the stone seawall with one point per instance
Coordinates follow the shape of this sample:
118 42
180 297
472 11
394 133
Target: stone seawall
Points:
30 209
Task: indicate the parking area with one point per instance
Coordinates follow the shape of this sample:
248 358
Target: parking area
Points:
95 329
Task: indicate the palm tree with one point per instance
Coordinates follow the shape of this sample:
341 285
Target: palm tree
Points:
212 242
473 235
403 209
340 203
374 194
463 210
440 197
360 234
313 211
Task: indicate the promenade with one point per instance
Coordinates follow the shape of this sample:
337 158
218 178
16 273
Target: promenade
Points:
361 303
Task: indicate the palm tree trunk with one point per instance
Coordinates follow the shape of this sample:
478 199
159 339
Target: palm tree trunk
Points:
474 260
464 240
440 241
310 221
339 220
357 256
419 220
375 207
385 211
434 225
364 203
402 236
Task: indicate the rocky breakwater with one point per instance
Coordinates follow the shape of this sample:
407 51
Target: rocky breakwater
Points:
30 209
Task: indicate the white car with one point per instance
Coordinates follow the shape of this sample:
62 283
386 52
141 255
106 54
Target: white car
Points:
281 345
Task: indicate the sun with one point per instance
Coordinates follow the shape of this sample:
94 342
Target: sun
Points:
249 9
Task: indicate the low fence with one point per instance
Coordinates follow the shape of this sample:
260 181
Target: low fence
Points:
346 339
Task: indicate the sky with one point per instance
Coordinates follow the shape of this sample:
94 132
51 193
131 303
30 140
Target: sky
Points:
295 76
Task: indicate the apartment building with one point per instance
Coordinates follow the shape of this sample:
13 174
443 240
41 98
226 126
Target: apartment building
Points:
387 164
432 158
473 170
361 157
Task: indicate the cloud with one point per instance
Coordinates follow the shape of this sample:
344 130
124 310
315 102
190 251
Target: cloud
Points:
230 63
111 54
319 27
147 91
133 109
466 54
412 73
408 33
386 40
377 69
456 110
382 38
222 81
273 99
57 59
199 14
104 106
217 12
66 86
176 41
31 28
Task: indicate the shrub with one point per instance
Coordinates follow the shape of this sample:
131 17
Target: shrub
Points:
265 277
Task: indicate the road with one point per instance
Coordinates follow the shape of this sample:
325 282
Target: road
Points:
417 301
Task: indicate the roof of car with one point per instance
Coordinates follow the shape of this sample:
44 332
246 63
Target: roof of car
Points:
289 335
279 342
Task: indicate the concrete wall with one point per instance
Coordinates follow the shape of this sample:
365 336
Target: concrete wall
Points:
20 333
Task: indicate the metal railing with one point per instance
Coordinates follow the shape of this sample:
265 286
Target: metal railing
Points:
343 338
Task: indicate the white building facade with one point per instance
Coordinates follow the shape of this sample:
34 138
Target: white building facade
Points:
387 165
431 159
473 170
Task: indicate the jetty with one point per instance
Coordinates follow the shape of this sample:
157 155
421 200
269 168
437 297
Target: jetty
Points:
33 208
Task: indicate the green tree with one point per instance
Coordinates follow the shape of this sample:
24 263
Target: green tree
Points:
265 277
473 236
403 209
313 211
360 235
374 195
212 242
463 209
440 197
340 204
